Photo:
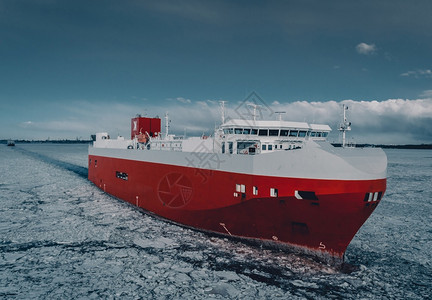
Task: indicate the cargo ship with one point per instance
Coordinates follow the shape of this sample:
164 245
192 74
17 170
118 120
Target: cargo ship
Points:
275 182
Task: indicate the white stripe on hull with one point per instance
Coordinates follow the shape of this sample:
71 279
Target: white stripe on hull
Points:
314 161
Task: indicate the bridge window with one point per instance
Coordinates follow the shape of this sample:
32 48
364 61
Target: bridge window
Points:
263 132
313 133
273 132
246 131
284 132
254 131
324 134
302 133
228 130
238 131
293 133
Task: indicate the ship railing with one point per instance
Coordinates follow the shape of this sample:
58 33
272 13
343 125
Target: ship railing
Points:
350 145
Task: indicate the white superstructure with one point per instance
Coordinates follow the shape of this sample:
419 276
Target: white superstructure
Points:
236 136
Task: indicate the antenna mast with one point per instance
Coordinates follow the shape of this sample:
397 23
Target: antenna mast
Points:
254 106
166 125
345 125
222 107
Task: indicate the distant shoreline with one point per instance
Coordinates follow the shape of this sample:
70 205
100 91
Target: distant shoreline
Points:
409 146
48 142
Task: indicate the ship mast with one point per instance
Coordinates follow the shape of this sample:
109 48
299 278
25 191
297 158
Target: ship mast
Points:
222 107
254 106
166 125
345 125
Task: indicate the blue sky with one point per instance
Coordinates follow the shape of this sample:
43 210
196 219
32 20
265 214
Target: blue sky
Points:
70 68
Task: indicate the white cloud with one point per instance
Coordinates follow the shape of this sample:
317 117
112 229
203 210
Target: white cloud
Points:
183 100
393 121
418 73
209 101
426 94
366 49
202 103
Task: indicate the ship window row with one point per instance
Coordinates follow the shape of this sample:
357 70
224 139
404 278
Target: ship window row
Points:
250 147
318 134
275 132
270 147
301 195
240 189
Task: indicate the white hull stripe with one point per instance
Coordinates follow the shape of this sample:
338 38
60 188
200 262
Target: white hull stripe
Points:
301 163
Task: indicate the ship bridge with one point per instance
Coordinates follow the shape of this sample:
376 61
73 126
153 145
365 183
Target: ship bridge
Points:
251 137
236 136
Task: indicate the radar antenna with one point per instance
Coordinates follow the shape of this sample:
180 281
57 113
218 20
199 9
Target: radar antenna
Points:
280 114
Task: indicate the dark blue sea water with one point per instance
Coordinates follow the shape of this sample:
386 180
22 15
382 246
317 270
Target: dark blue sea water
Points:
62 238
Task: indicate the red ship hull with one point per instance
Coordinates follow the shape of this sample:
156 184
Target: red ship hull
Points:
323 219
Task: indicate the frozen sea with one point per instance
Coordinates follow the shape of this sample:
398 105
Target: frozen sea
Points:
63 238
